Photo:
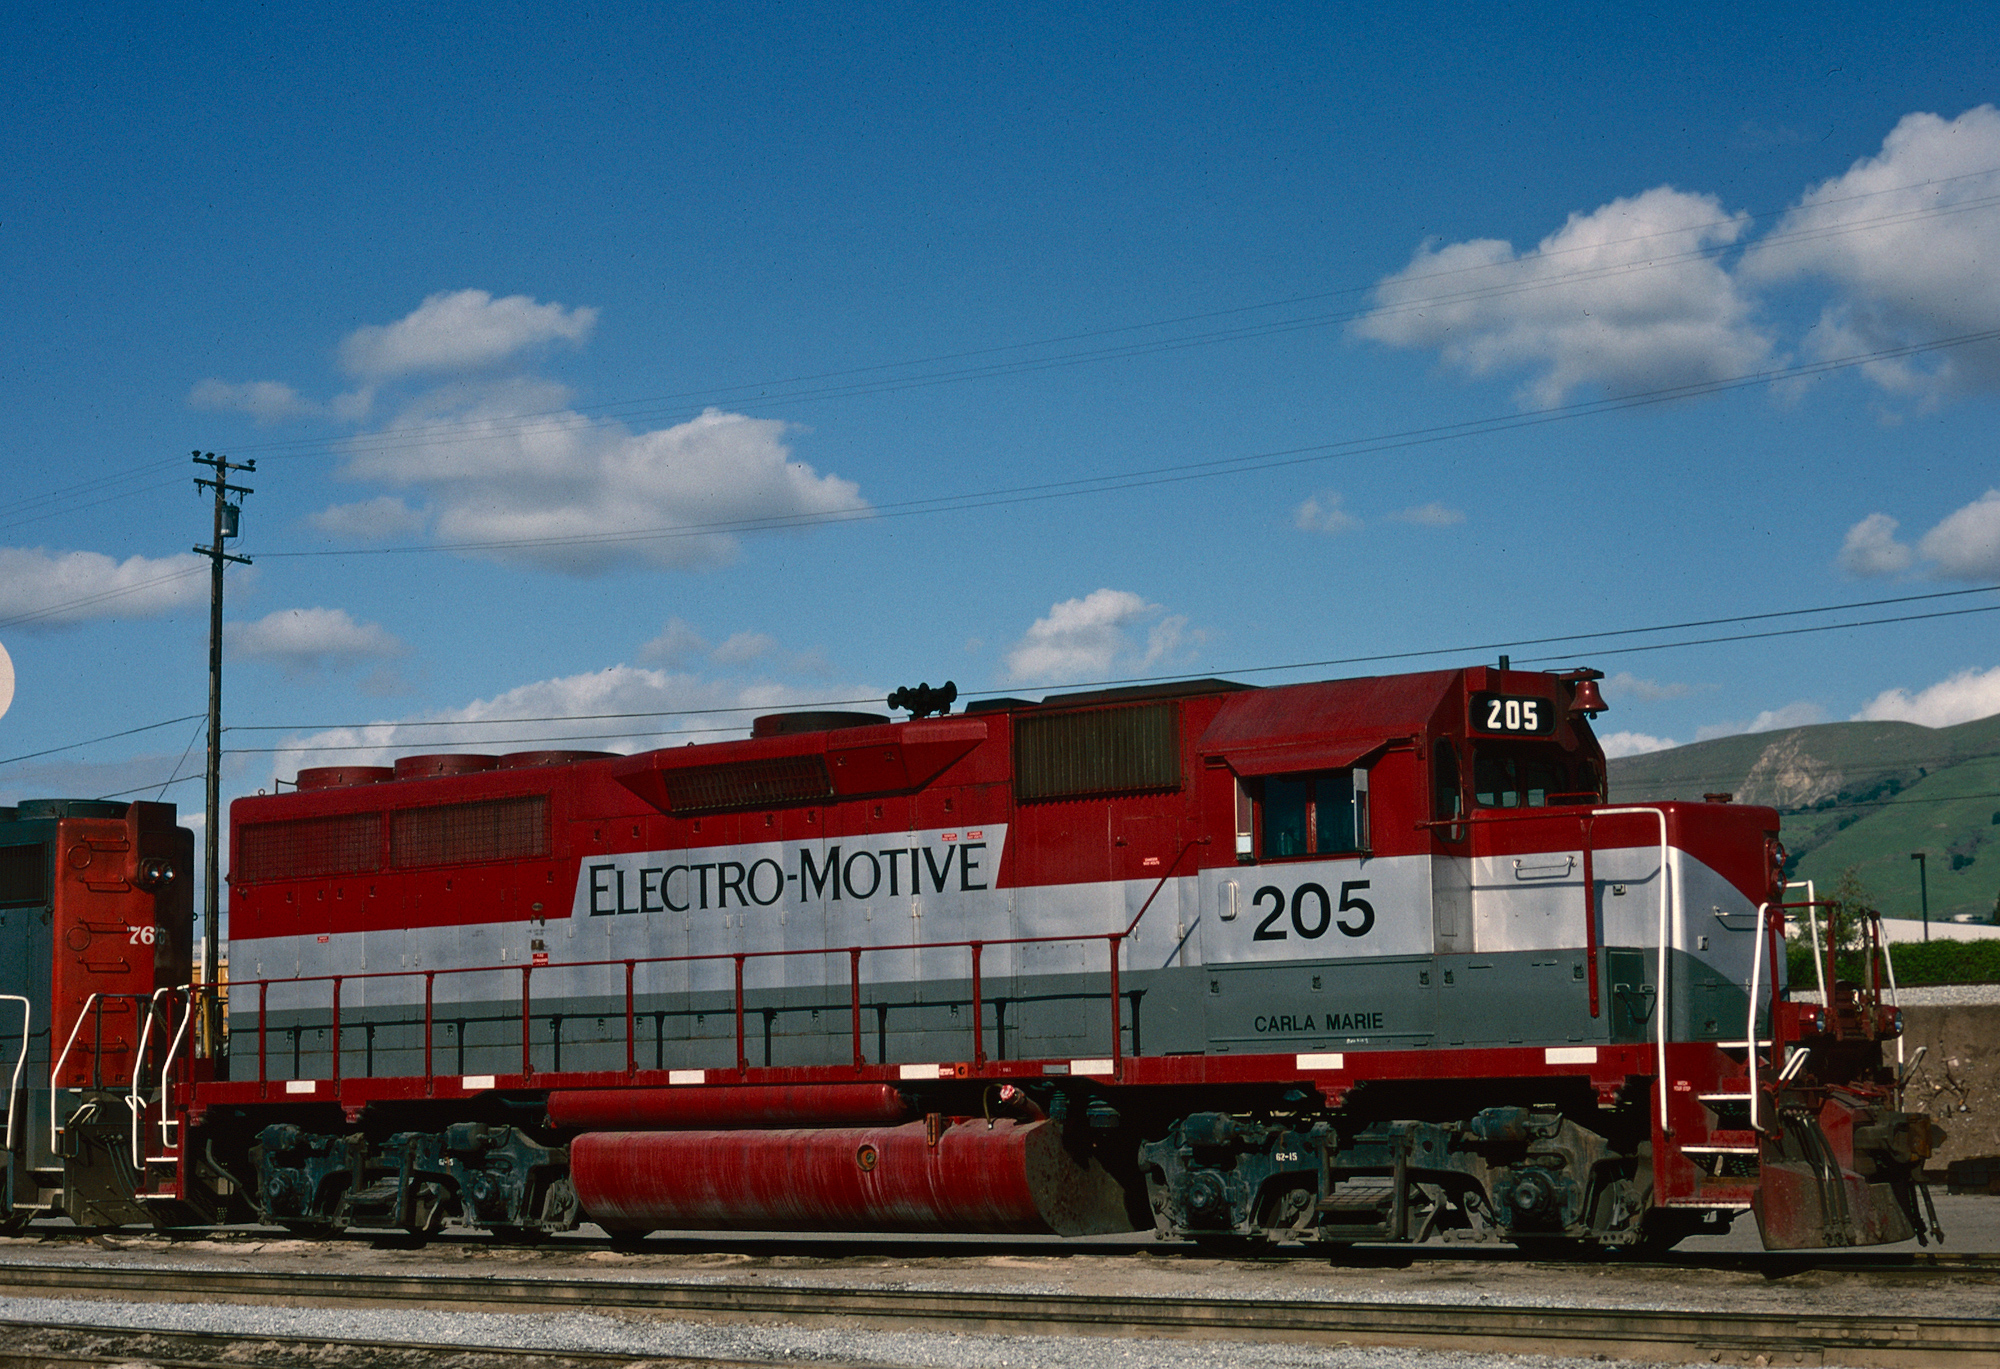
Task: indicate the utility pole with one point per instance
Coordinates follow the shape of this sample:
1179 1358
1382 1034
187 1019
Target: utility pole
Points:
227 516
1924 886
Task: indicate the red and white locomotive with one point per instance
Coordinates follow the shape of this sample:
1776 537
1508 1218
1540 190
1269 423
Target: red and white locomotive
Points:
1356 961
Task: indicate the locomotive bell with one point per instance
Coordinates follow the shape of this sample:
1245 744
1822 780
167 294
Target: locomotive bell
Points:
1588 700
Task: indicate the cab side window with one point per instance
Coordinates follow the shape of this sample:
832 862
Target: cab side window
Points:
1323 813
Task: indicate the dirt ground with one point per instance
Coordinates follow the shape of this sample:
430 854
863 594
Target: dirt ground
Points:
1958 1080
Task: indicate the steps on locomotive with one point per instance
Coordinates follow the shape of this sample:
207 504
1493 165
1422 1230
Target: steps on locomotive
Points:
1359 1209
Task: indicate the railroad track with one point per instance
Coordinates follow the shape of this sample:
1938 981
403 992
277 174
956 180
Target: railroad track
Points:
1890 1342
1769 1263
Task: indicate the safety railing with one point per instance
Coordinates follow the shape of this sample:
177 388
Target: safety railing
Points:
92 1012
1877 959
139 1098
975 948
20 1065
739 1006
1584 819
1764 932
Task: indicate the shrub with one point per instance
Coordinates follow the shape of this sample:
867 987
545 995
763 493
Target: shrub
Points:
1916 962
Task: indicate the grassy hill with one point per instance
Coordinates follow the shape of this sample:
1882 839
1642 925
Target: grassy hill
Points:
1857 794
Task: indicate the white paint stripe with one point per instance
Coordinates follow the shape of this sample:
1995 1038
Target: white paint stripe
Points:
687 1076
473 1083
301 1085
1090 1067
1323 1062
1570 1055
923 1072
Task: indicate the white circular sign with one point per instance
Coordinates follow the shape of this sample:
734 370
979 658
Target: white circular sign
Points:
6 680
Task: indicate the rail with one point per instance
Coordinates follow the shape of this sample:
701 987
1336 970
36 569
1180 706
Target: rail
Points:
20 1064
1877 951
1663 1015
92 1011
1750 1028
976 949
56 1090
136 1101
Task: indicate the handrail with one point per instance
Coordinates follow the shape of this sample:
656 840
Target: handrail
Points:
135 1106
1895 994
55 1070
1663 1012
173 1053
1812 919
1750 1030
135 1103
1113 940
14 1089
1487 816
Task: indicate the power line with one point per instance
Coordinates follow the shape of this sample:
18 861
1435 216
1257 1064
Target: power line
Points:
765 393
1177 473
54 610
109 736
400 745
171 783
1463 650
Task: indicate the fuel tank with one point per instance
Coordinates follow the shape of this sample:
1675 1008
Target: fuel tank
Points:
819 1105
940 1175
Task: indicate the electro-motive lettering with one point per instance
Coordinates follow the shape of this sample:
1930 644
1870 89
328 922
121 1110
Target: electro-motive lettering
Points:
700 881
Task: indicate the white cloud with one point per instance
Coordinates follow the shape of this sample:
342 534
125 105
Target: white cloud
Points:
303 641
1871 548
1640 294
681 701
1645 691
1629 297
461 330
676 646
560 492
1323 513
267 401
39 589
1633 744
1961 698
1431 515
369 520
1966 545
1909 240
741 648
1087 638
1801 714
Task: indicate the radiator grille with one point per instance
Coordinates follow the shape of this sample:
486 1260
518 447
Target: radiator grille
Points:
1097 751
748 784
307 848
24 874
459 833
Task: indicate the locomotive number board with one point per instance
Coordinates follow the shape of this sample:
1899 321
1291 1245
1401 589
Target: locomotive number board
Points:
1513 715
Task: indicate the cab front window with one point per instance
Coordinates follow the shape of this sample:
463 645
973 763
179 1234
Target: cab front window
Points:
1523 777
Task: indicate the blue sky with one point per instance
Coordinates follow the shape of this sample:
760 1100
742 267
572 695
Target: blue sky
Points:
729 358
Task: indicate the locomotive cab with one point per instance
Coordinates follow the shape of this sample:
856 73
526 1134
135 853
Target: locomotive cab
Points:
97 918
